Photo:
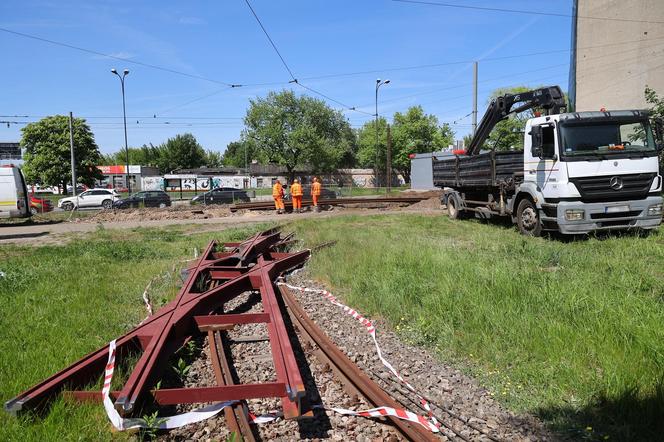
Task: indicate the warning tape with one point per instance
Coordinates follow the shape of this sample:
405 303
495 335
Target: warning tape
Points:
432 422
165 423
180 420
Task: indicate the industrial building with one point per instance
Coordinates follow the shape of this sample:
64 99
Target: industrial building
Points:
617 50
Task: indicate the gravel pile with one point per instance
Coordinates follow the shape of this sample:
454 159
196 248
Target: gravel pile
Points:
447 388
155 214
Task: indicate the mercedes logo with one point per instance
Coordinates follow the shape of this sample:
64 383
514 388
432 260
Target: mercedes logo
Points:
616 183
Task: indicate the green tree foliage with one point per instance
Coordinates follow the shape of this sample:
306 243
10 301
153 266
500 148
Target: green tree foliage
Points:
298 131
416 132
368 148
656 103
181 152
213 158
47 156
144 156
238 151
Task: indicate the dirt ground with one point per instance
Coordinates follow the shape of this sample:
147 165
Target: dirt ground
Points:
213 217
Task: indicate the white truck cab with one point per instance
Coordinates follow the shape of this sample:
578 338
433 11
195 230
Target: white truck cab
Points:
591 171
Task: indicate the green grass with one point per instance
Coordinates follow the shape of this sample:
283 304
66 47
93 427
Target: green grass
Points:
570 331
61 302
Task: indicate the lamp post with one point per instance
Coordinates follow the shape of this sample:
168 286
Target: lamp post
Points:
124 116
379 83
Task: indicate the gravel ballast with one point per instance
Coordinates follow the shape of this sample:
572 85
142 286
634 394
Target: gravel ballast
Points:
467 411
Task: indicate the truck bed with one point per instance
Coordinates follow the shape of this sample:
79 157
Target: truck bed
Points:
488 169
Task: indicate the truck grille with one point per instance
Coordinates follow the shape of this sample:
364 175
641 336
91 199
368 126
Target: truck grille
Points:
597 189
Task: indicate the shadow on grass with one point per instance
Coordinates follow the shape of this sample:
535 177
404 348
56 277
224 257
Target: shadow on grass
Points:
629 416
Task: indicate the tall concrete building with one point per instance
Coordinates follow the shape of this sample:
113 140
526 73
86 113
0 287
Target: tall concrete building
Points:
613 60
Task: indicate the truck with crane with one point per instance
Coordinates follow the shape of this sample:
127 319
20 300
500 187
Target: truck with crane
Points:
578 172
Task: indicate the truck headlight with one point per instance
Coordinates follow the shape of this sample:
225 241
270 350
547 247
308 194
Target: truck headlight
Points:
574 214
654 210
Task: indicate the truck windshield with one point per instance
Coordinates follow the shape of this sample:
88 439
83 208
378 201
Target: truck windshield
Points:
607 138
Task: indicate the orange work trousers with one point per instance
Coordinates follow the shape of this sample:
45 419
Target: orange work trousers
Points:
278 203
315 200
297 202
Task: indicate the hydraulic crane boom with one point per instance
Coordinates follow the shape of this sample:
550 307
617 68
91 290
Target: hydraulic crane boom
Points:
549 98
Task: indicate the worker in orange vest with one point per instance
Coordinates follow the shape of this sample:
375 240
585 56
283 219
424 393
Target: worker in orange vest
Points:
278 195
315 193
296 195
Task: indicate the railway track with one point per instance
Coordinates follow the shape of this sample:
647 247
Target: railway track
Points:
268 205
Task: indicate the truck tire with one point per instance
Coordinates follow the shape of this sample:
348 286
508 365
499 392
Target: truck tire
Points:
528 219
453 207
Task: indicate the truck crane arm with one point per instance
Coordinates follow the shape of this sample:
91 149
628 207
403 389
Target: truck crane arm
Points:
549 98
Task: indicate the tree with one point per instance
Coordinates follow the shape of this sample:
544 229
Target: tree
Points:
181 152
47 152
416 132
144 156
656 112
367 146
214 158
244 151
298 131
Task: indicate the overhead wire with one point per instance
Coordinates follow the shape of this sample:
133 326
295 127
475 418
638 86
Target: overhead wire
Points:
523 11
126 60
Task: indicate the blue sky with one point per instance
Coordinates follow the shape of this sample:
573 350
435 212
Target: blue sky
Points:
221 41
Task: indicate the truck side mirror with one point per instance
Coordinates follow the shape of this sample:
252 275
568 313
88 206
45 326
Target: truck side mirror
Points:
536 140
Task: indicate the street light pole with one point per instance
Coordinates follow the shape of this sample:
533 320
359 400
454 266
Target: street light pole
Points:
379 83
124 116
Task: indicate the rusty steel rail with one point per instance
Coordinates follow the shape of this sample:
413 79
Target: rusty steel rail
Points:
220 274
354 379
267 205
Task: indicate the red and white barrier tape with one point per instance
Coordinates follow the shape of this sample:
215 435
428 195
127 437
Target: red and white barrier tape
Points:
180 420
372 332
165 423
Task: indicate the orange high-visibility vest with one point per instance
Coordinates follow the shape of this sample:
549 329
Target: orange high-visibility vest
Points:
315 189
277 190
296 189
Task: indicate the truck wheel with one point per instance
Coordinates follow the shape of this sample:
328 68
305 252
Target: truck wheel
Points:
453 207
527 219
68 206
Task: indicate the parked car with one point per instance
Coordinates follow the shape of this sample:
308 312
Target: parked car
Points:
150 198
40 205
325 193
222 195
103 198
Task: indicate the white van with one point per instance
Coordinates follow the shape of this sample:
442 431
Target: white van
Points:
13 193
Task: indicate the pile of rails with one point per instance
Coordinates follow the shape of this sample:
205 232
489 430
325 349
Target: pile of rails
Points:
268 205
222 273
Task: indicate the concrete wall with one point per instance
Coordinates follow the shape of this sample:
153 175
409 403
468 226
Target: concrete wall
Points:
615 60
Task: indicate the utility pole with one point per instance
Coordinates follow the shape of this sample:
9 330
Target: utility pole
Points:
388 171
124 116
379 83
73 159
474 97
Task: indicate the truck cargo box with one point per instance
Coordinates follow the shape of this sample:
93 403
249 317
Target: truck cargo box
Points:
484 170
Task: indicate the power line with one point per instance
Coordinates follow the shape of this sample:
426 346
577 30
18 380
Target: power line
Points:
271 42
522 11
126 60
